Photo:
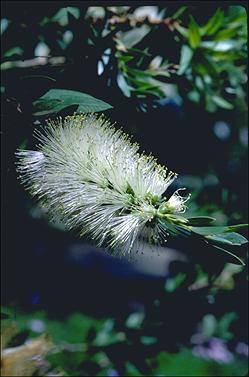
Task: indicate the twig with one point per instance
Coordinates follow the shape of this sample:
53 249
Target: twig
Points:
34 62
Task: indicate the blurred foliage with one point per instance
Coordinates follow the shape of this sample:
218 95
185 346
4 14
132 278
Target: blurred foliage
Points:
86 346
201 59
156 340
213 58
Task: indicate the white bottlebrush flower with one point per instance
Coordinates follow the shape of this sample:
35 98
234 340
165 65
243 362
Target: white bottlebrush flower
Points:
91 177
176 203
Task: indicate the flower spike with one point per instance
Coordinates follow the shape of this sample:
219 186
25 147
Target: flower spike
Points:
90 176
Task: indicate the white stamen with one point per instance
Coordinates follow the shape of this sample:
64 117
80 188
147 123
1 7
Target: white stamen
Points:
90 176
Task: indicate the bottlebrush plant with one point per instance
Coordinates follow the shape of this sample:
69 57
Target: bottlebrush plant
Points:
90 176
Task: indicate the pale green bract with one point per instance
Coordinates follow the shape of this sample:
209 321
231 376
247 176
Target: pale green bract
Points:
90 176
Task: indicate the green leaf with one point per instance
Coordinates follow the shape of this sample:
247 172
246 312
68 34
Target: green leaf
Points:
228 238
194 96
148 340
148 72
134 36
172 284
200 220
214 23
179 12
132 369
62 16
194 33
123 85
224 324
47 107
134 321
209 325
182 30
158 72
125 58
138 72
186 57
232 258
209 104
13 51
145 87
221 102
226 34
236 227
174 229
210 230
141 52
223 235
206 66
56 100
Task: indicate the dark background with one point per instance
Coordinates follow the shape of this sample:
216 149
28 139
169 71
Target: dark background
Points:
47 268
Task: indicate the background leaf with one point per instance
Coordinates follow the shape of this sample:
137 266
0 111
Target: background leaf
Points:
210 230
214 23
186 56
221 102
231 257
228 238
56 100
194 33
200 220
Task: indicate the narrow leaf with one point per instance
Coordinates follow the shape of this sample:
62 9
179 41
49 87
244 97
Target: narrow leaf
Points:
186 56
210 230
232 258
214 23
228 238
221 102
179 12
226 34
238 227
123 85
200 220
134 36
194 33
